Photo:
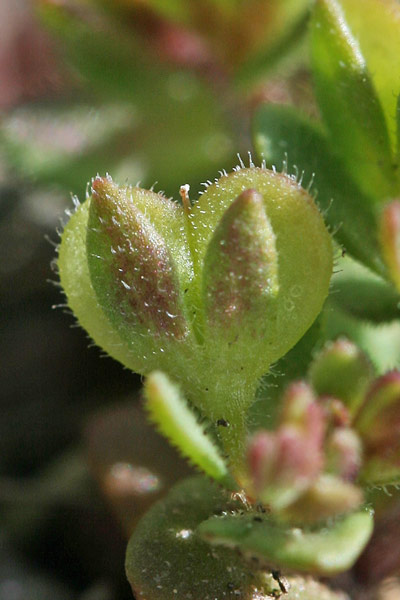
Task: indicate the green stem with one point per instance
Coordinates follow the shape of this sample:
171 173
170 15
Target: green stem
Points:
226 400
233 439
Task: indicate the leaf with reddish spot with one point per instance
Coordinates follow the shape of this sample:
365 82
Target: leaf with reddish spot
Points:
288 243
241 273
135 271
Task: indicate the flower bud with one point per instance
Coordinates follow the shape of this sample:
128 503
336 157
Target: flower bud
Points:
285 463
136 273
301 409
341 371
328 497
344 453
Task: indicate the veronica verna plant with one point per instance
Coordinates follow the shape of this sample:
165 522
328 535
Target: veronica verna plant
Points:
202 297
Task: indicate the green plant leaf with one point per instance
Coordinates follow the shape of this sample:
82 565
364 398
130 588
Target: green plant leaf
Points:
349 103
282 136
166 559
376 26
75 280
303 269
173 418
363 294
325 551
139 265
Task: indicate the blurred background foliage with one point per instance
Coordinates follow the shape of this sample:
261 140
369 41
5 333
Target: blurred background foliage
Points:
156 91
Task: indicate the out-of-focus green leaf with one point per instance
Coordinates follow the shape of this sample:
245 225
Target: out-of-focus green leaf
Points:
180 135
284 32
282 136
166 558
110 60
348 101
64 146
265 411
171 9
378 472
376 26
341 371
325 551
380 342
363 294
389 234
398 127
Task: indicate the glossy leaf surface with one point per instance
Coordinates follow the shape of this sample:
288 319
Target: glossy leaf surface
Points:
376 25
349 103
166 558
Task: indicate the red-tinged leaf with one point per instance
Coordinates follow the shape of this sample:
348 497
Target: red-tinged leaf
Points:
390 239
241 272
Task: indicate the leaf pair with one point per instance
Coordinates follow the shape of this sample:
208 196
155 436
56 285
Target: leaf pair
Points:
212 294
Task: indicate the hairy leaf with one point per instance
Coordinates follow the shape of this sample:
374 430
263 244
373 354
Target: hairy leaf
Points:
169 411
